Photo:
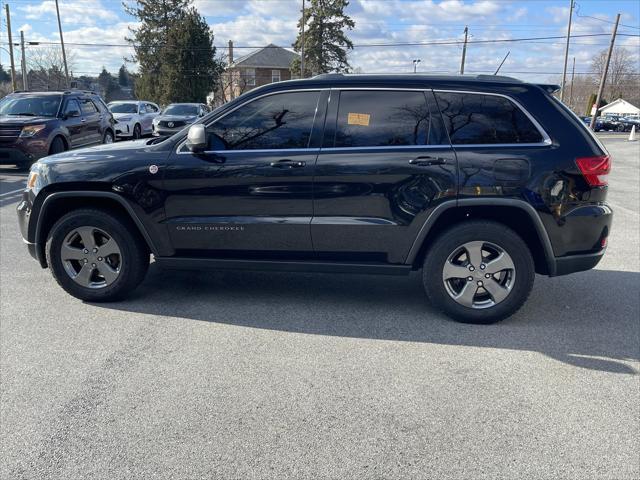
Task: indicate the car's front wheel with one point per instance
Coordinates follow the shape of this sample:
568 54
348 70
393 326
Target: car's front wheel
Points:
478 272
108 137
96 256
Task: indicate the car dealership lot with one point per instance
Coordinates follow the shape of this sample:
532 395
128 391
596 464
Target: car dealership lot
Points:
274 375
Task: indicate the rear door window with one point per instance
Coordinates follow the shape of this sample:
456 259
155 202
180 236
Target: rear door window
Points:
88 107
485 119
383 118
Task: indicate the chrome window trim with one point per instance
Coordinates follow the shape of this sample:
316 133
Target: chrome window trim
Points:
546 139
545 143
292 90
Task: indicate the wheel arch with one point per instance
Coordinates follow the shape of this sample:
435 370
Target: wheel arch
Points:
508 212
61 203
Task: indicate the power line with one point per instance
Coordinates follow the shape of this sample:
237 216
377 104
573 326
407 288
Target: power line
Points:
361 45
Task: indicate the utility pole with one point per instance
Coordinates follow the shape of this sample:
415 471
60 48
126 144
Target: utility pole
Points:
566 52
25 80
573 74
302 44
13 65
603 80
64 54
464 49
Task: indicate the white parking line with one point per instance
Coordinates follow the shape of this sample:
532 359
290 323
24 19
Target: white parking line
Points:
11 192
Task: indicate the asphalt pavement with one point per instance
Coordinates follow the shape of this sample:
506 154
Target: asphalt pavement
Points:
275 375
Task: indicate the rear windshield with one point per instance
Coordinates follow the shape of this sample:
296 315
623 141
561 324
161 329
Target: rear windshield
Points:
181 110
481 119
123 107
43 106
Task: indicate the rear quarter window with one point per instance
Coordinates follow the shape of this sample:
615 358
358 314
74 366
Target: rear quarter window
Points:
481 119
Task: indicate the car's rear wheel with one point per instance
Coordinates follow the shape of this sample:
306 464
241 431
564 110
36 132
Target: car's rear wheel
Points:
137 131
478 272
108 137
96 256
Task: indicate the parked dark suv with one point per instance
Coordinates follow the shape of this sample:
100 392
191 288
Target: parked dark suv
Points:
480 182
36 124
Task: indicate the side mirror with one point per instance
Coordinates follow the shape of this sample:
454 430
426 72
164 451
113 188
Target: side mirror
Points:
197 138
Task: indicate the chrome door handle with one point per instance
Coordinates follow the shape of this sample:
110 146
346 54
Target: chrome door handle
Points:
427 161
286 163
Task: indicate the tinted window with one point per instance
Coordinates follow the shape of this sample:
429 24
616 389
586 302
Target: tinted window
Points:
72 105
88 107
273 122
123 107
181 109
151 108
370 119
45 106
485 119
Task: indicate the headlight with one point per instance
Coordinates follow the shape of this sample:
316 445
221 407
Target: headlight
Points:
124 119
31 182
31 130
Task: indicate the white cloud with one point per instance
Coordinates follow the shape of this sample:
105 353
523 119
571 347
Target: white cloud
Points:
76 11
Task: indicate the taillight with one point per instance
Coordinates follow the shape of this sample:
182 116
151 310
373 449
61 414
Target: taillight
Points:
595 169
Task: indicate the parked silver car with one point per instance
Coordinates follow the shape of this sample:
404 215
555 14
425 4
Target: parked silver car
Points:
176 116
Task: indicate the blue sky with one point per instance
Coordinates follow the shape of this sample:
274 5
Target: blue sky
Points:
251 23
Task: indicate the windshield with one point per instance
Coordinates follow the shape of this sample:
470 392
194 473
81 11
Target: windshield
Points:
44 106
123 107
181 110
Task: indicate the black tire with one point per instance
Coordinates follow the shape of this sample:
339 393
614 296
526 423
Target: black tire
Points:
57 146
137 132
108 134
134 255
486 231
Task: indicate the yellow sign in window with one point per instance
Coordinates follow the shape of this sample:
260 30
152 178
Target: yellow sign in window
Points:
358 119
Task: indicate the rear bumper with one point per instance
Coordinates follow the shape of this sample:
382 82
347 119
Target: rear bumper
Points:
577 263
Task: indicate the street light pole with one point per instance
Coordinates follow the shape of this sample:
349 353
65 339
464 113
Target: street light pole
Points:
415 65
25 80
13 65
603 79
302 44
566 52
464 50
64 55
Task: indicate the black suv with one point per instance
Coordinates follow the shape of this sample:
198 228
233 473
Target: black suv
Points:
36 124
480 182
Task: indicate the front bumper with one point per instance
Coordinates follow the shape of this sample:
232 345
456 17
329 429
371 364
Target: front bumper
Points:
165 131
123 129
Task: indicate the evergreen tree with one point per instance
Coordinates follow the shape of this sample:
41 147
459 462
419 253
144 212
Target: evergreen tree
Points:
190 70
123 76
4 75
149 41
325 41
108 85
174 49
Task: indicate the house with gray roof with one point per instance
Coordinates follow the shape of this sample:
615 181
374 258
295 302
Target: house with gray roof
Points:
260 67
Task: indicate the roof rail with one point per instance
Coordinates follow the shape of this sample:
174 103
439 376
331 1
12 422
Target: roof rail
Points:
550 88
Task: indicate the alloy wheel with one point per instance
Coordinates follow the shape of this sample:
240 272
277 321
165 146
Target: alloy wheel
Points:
479 274
91 257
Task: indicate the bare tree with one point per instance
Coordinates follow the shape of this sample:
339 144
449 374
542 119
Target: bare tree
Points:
46 68
622 78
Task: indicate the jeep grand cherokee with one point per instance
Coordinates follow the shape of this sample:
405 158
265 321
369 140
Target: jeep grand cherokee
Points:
480 182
